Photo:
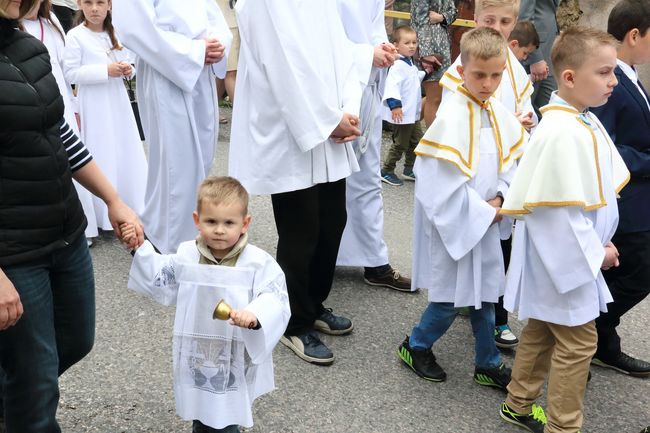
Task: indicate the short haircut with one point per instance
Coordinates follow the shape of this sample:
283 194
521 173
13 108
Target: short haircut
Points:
399 31
222 190
484 4
575 45
525 33
482 43
25 6
628 15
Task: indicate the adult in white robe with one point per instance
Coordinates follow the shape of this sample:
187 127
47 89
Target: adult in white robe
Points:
177 102
564 192
108 127
54 41
219 369
299 81
363 242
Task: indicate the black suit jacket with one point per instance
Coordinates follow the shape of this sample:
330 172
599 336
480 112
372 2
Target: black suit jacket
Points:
627 119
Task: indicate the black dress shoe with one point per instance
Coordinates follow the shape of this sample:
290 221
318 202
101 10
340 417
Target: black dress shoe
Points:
625 364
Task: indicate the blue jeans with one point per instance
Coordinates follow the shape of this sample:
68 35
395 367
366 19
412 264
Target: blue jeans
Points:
438 317
57 329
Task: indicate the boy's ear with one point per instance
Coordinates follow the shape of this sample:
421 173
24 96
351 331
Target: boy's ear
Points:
461 71
513 44
567 77
195 217
631 37
247 223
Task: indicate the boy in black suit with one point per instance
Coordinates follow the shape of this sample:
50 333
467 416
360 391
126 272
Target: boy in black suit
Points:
626 116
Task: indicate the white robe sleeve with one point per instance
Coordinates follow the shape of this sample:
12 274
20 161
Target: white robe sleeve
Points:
74 71
457 211
153 275
274 39
567 244
219 30
271 307
175 56
393 81
505 178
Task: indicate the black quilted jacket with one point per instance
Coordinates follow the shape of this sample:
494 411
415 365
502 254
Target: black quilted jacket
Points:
39 208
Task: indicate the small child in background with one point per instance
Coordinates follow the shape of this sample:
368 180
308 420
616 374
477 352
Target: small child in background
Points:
564 195
523 40
403 99
464 165
219 370
97 63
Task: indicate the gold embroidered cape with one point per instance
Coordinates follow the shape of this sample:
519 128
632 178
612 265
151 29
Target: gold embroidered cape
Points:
454 135
562 165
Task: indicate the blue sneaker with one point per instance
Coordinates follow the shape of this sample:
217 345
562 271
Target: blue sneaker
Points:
391 178
408 174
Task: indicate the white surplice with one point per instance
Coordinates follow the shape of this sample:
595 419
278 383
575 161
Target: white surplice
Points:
514 92
177 102
456 247
53 40
219 369
565 194
108 126
362 243
297 75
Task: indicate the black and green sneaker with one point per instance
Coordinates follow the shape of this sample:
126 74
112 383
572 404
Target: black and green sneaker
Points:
497 377
422 361
533 422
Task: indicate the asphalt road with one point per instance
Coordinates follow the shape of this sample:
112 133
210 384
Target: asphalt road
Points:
125 384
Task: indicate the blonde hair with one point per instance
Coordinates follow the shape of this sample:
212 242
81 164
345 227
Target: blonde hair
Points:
482 43
25 6
401 30
484 4
222 190
575 45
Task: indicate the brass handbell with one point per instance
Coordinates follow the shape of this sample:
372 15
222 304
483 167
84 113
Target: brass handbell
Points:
221 311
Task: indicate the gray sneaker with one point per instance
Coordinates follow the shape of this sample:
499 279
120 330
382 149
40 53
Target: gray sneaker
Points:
328 323
309 348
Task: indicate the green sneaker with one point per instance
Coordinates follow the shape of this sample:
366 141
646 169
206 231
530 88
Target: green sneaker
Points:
497 377
422 361
533 422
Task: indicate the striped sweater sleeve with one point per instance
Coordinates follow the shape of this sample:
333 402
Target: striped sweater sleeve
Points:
78 155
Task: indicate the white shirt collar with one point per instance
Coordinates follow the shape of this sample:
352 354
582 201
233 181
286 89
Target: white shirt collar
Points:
628 70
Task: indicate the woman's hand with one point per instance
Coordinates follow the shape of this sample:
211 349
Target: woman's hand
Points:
121 216
11 309
435 17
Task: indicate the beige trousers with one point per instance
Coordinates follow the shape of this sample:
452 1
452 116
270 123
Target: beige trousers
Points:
564 354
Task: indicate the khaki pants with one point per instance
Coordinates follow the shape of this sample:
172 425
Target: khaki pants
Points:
562 352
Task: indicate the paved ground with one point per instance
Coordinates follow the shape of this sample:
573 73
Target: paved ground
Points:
125 384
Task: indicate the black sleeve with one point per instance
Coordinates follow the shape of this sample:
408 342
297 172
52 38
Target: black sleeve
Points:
78 155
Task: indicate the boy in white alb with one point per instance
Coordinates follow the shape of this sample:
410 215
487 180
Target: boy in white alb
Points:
219 369
564 193
468 154
402 105
515 93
